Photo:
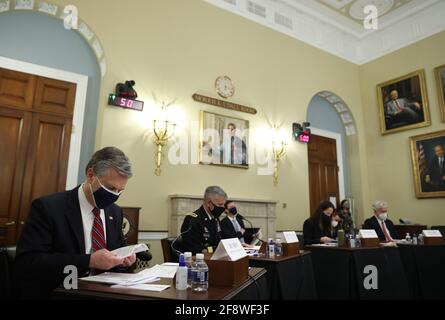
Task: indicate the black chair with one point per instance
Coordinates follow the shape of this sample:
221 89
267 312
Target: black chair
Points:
7 290
169 254
440 228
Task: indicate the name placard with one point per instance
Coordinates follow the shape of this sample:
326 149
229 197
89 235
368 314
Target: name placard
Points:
223 104
432 233
290 237
368 234
229 249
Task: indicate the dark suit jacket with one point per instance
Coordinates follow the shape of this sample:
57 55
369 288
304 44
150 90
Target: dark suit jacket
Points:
312 232
228 230
374 223
53 238
201 232
437 173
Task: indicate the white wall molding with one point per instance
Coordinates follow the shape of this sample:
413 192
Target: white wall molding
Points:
152 235
79 107
343 39
58 12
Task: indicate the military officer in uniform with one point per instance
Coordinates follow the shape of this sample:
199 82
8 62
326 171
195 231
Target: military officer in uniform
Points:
201 231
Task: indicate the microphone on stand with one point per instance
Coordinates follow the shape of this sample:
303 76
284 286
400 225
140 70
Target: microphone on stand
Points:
255 235
178 253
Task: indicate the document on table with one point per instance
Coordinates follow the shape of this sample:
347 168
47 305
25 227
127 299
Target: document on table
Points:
162 271
122 278
125 252
144 287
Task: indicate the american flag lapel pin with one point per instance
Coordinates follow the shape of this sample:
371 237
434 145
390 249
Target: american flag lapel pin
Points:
110 217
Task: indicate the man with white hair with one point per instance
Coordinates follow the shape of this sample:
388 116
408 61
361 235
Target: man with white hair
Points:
380 222
201 231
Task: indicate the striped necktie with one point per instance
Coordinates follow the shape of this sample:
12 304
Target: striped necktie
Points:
97 233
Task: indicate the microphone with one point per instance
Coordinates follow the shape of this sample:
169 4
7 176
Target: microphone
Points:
178 253
255 235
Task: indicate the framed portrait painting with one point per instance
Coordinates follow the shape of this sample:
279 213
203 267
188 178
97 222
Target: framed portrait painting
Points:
440 79
403 103
428 158
224 140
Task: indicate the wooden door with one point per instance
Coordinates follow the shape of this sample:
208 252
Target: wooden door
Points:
14 132
35 130
323 171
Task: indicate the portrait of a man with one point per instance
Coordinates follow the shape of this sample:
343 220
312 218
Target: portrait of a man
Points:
440 79
224 140
428 155
403 103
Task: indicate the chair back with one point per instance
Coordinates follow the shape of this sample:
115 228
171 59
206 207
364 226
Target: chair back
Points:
168 252
7 256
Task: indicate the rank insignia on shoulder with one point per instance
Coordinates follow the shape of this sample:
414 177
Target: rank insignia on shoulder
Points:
192 214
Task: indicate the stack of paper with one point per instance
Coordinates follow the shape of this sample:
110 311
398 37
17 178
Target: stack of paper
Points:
125 252
124 279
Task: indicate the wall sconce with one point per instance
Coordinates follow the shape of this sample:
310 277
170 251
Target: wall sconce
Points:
162 136
279 150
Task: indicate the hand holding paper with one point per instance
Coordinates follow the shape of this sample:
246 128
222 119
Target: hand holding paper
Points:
128 251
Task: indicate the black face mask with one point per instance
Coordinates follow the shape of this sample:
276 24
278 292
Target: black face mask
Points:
326 219
217 211
233 211
103 197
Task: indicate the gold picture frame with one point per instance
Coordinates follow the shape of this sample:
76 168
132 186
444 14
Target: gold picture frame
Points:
428 175
219 133
403 103
440 81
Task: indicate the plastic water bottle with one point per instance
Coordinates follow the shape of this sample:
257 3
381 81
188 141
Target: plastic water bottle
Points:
200 273
271 246
420 240
278 248
351 241
181 274
415 240
189 263
358 242
408 238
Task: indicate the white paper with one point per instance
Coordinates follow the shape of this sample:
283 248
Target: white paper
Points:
229 249
162 271
290 237
144 287
368 234
125 252
432 233
121 278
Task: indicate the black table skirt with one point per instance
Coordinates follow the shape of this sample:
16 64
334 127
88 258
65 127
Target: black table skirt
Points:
425 270
291 279
339 274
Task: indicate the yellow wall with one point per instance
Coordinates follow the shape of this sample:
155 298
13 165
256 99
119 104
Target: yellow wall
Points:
174 48
389 157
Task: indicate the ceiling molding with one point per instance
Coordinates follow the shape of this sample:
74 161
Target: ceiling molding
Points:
338 35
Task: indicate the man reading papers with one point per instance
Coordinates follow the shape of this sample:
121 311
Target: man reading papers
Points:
75 228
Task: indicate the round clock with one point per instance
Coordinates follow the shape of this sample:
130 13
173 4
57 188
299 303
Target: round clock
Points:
224 86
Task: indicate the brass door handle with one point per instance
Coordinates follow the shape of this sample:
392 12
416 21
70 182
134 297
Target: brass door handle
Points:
9 224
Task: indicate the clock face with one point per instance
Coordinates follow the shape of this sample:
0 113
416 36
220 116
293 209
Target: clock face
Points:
224 86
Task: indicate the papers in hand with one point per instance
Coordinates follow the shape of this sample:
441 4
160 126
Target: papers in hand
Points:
229 249
128 251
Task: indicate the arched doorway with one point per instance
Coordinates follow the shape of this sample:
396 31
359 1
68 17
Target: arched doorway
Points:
332 124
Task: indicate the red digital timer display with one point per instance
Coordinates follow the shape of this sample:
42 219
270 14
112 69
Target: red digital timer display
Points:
304 138
126 103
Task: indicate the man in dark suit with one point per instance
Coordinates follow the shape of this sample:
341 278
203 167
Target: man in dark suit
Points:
75 228
436 176
380 223
232 226
201 231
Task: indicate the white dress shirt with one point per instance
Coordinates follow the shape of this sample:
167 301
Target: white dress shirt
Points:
88 219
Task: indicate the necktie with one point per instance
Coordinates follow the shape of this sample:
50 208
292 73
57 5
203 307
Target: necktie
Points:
237 228
385 231
399 108
97 233
441 165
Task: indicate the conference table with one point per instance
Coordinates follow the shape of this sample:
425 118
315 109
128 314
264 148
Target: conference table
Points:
253 288
346 273
288 277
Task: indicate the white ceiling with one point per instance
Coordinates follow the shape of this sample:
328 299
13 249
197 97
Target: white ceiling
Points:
336 26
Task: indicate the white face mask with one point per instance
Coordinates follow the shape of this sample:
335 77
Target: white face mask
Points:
334 223
383 216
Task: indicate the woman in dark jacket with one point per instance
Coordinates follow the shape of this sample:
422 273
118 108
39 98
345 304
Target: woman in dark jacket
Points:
321 227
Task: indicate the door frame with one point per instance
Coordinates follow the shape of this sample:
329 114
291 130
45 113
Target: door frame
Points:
79 107
339 144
